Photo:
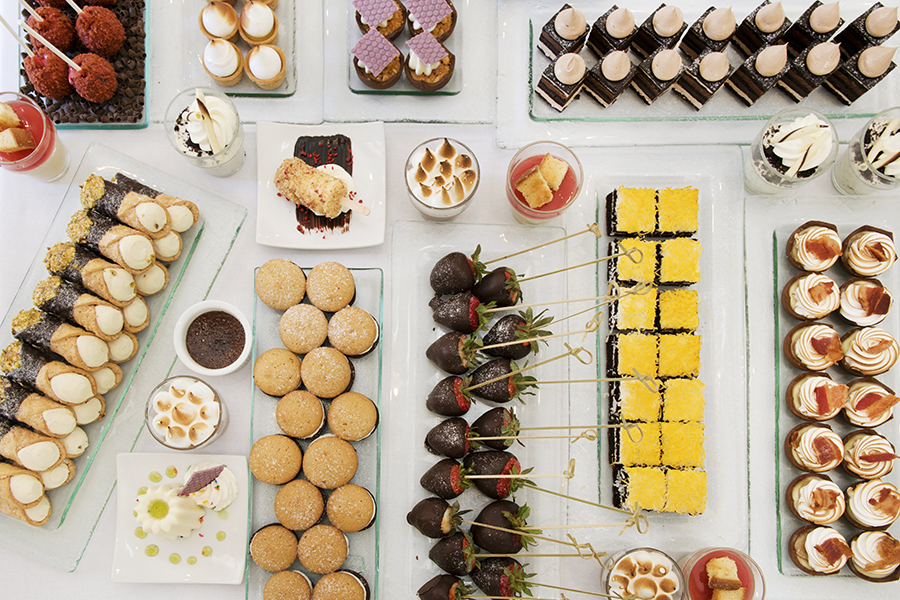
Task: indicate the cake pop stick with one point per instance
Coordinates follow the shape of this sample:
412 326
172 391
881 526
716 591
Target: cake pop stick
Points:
72 64
591 228
19 39
74 6
31 10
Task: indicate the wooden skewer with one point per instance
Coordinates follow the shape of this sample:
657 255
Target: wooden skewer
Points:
520 531
31 10
49 46
207 122
360 208
618 294
74 6
19 39
630 253
592 228
576 352
587 434
638 519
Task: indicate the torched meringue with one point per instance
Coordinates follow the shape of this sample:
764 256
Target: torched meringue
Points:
868 455
869 403
824 550
815 346
869 351
812 296
875 554
219 19
873 504
814 447
865 302
220 58
816 397
719 24
868 252
816 499
814 247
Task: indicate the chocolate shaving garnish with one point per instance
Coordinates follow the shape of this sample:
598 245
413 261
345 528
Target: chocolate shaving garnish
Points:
879 346
833 549
826 450
829 347
821 290
200 479
823 248
877 457
880 252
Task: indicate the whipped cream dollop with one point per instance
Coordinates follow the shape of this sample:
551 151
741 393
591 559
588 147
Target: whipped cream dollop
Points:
88 412
109 319
875 61
865 302
884 154
219 493
570 23
870 253
807 341
882 21
869 403
771 61
770 18
620 23
221 58
873 503
870 350
666 65
616 65
714 66
823 58
667 21
868 455
813 296
818 500
72 388
645 574
442 176
817 559
816 447
805 396
264 62
719 24
152 281
187 412
802 144
224 121
421 68
816 248
120 284
26 487
219 19
257 20
825 17
165 247
39 456
569 68
875 554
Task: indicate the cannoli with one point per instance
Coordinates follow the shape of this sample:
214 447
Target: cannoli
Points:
137 315
66 300
107 377
59 476
28 448
57 380
41 413
183 214
78 265
51 334
168 248
89 412
127 247
75 443
20 486
35 516
131 208
154 280
123 348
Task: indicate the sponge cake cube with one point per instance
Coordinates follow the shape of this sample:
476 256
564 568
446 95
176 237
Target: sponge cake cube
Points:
534 188
8 117
15 140
553 170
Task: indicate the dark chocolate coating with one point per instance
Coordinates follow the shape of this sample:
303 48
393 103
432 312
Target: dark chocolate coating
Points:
133 185
600 42
453 554
440 587
801 36
498 391
489 576
452 274
443 400
449 438
505 330
499 286
63 303
602 89
428 517
646 41
695 41
494 541
495 423
855 37
696 90
557 44
325 150
749 39
456 312
491 462
438 479
12 395
445 353
40 333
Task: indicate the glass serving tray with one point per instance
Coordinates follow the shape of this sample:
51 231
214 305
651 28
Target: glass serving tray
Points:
77 505
406 420
785 472
364 545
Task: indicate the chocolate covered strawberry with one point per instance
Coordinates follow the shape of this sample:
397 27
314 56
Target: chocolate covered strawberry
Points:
493 462
448 397
501 577
461 312
454 554
435 517
511 328
503 386
497 422
450 438
500 286
506 515
454 352
445 479
444 587
456 273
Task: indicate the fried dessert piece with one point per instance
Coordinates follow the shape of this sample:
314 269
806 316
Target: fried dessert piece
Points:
301 184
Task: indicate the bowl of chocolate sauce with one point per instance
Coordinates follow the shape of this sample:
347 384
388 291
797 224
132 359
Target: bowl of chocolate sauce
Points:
213 338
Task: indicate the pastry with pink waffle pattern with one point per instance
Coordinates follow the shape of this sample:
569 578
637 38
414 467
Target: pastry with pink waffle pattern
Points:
377 61
429 65
389 16
435 16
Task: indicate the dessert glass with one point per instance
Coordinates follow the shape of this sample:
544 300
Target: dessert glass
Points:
761 177
648 585
854 173
221 164
150 414
179 337
530 156
433 208
694 568
49 159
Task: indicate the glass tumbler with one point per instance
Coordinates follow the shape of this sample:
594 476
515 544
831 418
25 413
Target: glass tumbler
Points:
871 163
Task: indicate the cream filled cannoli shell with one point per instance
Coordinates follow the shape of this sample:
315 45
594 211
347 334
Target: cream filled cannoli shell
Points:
183 214
102 318
168 248
123 348
89 412
111 282
124 245
35 516
29 449
75 443
55 379
47 332
58 476
21 486
131 208
137 315
107 377
42 414
152 281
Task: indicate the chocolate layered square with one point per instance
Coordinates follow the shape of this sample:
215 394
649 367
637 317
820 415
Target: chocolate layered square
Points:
552 44
749 84
695 88
647 84
605 90
558 94
695 41
799 82
646 40
855 36
848 83
749 38
801 35
600 42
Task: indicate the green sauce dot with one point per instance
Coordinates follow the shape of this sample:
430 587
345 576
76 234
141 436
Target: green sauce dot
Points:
192 560
207 551
223 514
155 477
142 490
220 536
140 533
158 509
174 558
152 550
171 471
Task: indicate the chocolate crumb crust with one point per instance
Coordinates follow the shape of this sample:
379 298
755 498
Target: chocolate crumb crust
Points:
748 84
801 36
646 41
694 88
127 107
847 82
749 39
600 42
695 41
602 89
552 44
798 82
854 38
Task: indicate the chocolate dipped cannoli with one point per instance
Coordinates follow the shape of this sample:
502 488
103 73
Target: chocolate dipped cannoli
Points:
67 300
168 248
125 246
78 265
75 443
183 214
137 315
59 476
153 281
51 334
35 516
131 208
123 348
29 449
20 486
107 377
57 380
42 414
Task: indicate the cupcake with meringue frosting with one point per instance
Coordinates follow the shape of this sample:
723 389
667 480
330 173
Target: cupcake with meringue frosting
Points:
876 557
819 550
868 252
258 24
870 403
812 346
868 454
810 296
265 65
865 302
814 246
814 447
872 505
815 499
224 62
815 396
868 351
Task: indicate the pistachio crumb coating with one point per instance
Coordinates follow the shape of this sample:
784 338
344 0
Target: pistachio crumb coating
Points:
91 191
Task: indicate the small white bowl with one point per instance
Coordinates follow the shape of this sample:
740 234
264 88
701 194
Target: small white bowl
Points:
180 334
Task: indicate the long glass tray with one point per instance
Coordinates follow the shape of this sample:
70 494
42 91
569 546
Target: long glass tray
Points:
406 420
77 505
785 472
364 545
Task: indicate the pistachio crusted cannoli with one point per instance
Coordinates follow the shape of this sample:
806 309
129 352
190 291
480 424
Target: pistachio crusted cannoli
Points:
29 449
51 334
137 315
20 486
64 299
183 214
131 208
57 380
125 246
59 476
41 413
123 348
78 265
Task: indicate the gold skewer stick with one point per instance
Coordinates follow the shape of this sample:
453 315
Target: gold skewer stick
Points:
637 518
588 434
565 589
576 352
628 253
592 228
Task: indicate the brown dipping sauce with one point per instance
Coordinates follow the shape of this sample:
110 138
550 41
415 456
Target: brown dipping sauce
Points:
215 339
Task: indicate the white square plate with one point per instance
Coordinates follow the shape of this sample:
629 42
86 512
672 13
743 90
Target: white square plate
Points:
276 222
200 558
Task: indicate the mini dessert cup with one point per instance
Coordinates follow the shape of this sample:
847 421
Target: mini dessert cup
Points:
815 499
199 423
219 20
693 566
261 62
870 163
437 201
814 246
872 505
664 577
777 164
868 251
254 16
812 346
814 447
218 341
49 159
219 57
187 133
527 159
868 454
810 296
804 398
806 548
390 24
868 351
870 403
870 561
864 301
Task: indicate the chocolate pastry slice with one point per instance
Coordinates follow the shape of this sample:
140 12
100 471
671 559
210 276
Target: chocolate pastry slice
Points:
565 32
712 31
610 77
662 29
860 73
706 76
816 25
562 80
871 28
613 30
759 73
763 27
810 70
657 73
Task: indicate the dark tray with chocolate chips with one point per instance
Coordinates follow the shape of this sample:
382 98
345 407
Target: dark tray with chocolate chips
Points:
127 109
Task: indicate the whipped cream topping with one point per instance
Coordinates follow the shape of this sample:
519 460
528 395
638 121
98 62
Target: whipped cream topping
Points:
620 23
813 296
645 574
667 21
442 176
59 421
818 500
881 21
219 19
873 503
137 251
666 65
807 443
151 216
817 559
869 403
885 151
75 443
186 413
875 61
870 253
109 319
811 248
875 553
570 23
120 284
218 494
56 476
40 511
802 144
771 61
805 396
257 20
857 298
421 68
868 455
770 18
105 378
719 24
121 349
165 247
39 456
616 66
224 121
92 350
162 512
569 68
870 350
88 412
264 62
823 58
72 388
825 18
181 217
804 343
221 58
714 66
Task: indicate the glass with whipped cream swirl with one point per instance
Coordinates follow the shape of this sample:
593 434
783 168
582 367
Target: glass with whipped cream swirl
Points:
796 146
871 162
203 125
